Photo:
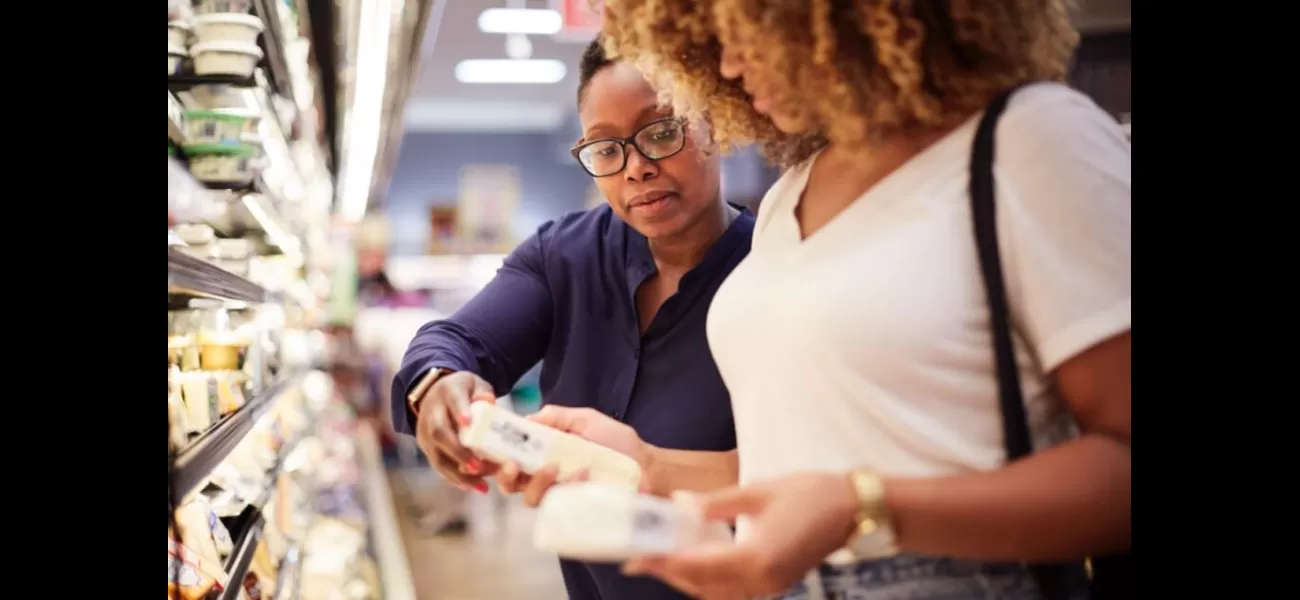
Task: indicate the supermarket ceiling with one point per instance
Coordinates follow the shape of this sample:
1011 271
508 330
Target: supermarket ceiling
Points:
439 102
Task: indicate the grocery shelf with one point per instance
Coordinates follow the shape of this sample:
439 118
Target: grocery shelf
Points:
386 534
189 276
273 47
181 83
241 558
194 463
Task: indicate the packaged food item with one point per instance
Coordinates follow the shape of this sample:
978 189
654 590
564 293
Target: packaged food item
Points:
222 347
224 165
178 429
191 576
178 34
176 56
214 127
200 407
499 435
199 558
597 522
229 392
182 343
225 58
227 27
206 7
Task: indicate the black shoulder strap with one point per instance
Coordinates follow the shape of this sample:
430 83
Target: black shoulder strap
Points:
983 206
1015 424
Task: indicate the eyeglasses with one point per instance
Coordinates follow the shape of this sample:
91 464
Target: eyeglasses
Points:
657 140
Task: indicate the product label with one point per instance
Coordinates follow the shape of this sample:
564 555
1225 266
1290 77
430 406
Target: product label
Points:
188 572
653 530
518 444
251 587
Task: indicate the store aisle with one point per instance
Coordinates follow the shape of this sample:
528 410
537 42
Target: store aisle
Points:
494 560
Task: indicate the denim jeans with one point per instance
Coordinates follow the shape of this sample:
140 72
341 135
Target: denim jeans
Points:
913 577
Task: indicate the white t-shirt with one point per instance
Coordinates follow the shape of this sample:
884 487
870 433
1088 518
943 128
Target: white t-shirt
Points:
868 344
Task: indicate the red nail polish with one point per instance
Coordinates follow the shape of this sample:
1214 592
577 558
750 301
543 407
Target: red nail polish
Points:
481 487
474 466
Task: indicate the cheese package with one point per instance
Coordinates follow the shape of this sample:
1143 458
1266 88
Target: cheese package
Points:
191 576
499 435
595 522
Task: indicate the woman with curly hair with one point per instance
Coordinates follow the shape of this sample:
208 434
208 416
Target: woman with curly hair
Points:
856 339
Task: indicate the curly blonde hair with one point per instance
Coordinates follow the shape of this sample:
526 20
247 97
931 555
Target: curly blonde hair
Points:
853 70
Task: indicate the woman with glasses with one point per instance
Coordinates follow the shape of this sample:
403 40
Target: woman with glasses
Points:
613 301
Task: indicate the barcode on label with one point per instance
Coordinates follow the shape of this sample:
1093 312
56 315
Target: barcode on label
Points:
515 437
647 521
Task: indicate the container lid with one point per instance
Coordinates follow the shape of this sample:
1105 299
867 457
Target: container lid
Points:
174 50
233 248
246 20
216 116
232 47
195 233
179 24
221 149
206 303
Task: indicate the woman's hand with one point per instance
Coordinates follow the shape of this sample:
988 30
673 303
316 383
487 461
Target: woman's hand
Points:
794 524
444 409
592 425
585 423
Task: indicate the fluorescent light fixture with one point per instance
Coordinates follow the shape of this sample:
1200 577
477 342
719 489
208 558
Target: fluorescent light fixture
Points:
363 134
492 70
528 21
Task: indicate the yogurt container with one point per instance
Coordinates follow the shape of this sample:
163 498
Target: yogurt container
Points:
206 7
225 58
227 27
175 59
220 164
209 127
178 33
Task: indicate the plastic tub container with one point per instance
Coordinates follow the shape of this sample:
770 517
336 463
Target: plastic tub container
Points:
206 7
207 127
233 255
233 166
175 59
227 27
225 58
178 33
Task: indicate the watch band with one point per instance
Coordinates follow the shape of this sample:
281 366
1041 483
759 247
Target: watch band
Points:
873 532
413 399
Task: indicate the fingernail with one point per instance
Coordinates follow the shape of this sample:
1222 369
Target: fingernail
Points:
481 487
462 419
473 466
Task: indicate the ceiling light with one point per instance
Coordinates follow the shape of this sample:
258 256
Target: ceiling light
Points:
530 21
490 70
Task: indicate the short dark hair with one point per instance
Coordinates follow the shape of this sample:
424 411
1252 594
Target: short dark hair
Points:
593 60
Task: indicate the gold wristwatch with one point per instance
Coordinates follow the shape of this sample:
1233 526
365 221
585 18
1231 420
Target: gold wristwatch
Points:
413 399
873 529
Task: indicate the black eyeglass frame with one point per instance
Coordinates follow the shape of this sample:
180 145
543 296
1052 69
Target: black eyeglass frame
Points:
624 142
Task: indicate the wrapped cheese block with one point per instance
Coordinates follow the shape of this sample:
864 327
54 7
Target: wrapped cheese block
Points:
499 435
596 522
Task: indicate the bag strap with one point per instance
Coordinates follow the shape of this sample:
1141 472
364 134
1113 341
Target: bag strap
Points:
1015 423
